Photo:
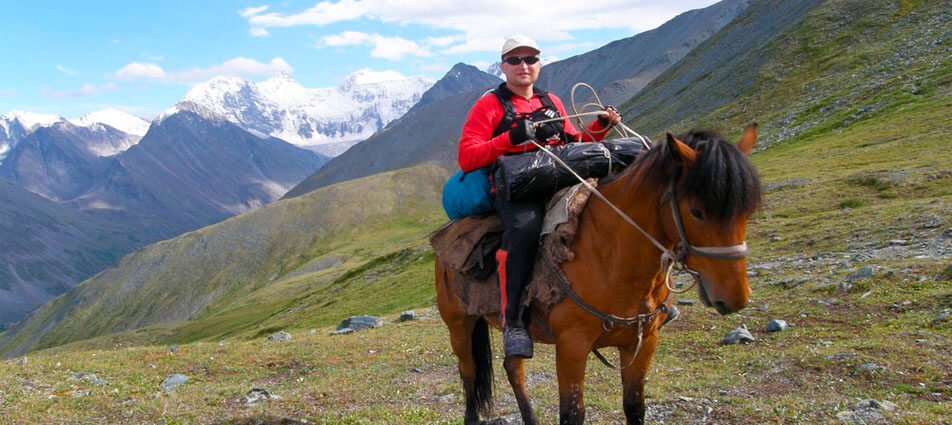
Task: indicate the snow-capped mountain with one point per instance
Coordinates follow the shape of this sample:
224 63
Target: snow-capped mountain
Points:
326 120
115 118
132 125
98 140
15 125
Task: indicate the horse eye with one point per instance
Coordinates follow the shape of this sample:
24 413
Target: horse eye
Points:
697 214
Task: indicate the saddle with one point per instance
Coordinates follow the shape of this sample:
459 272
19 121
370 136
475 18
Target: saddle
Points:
467 246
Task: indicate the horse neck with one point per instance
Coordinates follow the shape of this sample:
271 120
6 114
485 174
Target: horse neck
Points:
625 260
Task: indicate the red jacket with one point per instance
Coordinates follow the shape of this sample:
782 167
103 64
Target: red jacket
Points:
477 147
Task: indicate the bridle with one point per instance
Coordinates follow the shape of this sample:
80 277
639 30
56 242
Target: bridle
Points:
684 248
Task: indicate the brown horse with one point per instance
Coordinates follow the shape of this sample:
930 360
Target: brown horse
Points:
619 280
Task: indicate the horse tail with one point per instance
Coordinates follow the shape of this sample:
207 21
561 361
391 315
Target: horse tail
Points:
483 358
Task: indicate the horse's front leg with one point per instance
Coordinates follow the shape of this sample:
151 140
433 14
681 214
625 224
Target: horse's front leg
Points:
633 377
571 353
516 371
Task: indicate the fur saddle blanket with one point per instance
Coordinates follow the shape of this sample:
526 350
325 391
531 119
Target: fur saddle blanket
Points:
467 246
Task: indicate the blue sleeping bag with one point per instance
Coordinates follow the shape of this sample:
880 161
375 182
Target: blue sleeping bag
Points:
467 194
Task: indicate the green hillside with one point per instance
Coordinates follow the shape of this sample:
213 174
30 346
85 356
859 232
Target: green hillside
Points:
804 67
242 267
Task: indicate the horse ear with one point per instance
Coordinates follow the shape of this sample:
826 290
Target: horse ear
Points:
746 143
681 151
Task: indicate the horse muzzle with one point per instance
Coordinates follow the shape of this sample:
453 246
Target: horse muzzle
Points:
723 307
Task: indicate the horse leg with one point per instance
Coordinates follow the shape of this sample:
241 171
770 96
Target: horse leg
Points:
571 353
516 371
469 337
633 377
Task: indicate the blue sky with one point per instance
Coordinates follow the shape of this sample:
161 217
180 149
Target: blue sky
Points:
72 58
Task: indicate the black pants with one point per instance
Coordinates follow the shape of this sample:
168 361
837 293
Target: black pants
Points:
522 223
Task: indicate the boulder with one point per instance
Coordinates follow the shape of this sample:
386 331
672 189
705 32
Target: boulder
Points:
360 322
281 336
776 325
173 380
738 336
343 331
407 316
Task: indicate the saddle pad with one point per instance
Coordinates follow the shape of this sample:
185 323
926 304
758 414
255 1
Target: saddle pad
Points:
482 297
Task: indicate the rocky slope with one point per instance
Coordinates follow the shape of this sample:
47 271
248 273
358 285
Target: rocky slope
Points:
802 68
190 171
60 161
621 68
47 247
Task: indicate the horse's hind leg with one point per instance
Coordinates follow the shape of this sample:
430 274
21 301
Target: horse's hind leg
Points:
516 371
461 340
469 337
633 378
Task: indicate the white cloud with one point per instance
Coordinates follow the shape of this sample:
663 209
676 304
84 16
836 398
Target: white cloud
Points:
252 11
258 32
65 70
84 91
393 48
322 13
239 66
140 71
483 25
441 41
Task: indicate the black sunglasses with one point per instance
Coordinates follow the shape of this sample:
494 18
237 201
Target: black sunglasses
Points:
516 60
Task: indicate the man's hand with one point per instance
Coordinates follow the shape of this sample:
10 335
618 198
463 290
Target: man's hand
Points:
549 129
609 117
522 132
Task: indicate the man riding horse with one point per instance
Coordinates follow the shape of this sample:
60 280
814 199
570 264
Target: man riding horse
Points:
501 122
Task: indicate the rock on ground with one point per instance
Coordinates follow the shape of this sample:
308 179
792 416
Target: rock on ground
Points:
407 315
280 337
89 377
360 322
776 325
173 380
257 395
738 336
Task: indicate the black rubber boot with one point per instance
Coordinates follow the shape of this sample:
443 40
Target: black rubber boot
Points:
516 342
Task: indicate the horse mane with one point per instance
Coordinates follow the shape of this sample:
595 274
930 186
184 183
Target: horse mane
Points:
722 179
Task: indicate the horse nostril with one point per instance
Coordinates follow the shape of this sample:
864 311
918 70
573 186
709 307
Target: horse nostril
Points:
721 307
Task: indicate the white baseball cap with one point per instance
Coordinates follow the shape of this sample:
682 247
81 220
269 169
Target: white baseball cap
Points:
518 41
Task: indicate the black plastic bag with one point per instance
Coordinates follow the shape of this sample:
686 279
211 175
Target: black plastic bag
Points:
527 176
624 151
587 159
535 175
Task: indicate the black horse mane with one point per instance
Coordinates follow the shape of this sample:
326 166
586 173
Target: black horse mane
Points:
722 179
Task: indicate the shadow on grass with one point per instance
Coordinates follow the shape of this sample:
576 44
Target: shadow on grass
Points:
261 420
